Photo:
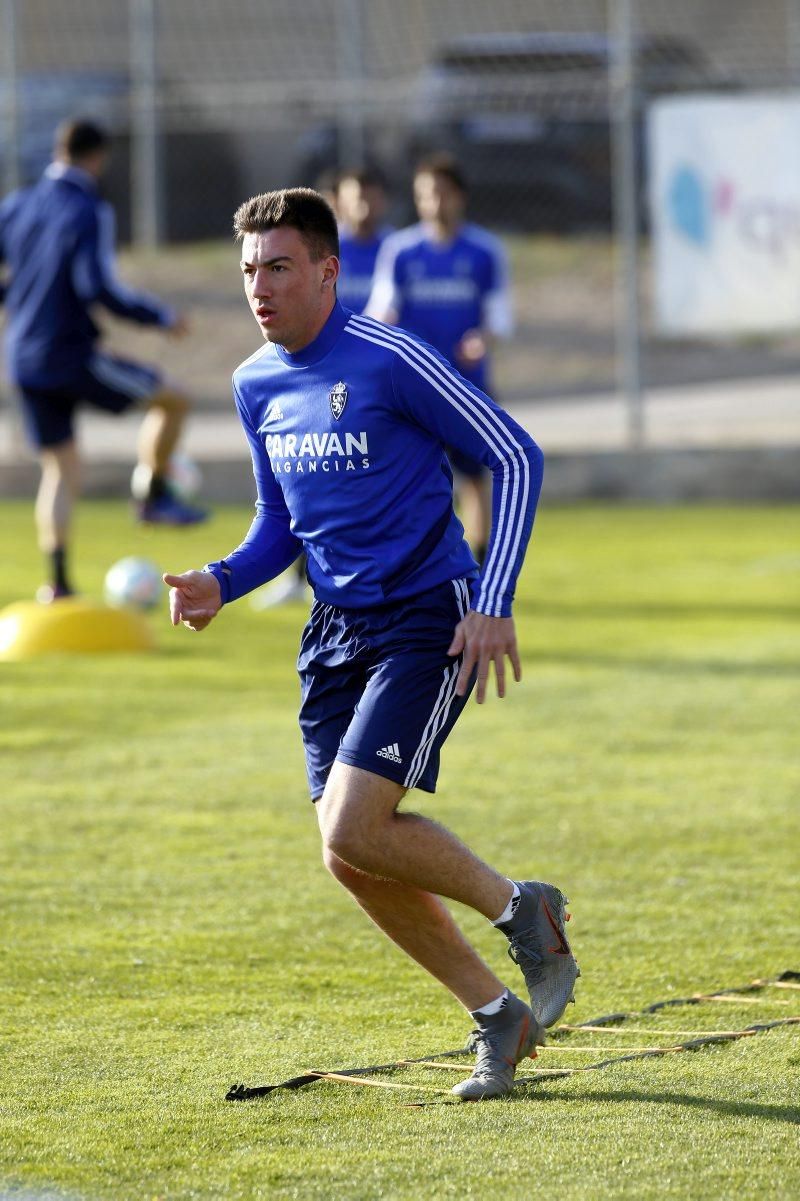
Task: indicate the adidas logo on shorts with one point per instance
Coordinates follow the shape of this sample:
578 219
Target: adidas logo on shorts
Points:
390 752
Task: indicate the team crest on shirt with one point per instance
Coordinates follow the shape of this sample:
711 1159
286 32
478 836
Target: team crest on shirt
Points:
338 398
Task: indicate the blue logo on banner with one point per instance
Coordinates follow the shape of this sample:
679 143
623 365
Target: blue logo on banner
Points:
689 208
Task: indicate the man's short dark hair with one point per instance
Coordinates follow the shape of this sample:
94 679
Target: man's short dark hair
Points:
302 209
76 139
444 165
365 177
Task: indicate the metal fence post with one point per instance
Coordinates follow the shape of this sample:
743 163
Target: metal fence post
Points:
12 173
147 188
350 71
793 41
626 224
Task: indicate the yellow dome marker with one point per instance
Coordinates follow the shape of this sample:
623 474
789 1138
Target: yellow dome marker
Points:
70 626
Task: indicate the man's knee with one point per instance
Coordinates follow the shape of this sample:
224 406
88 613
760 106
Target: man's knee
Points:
171 400
361 884
60 465
343 842
341 871
353 813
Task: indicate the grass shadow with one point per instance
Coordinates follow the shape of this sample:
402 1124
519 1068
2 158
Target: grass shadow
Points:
735 1109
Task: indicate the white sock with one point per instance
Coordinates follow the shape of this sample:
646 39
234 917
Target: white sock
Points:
492 1007
510 909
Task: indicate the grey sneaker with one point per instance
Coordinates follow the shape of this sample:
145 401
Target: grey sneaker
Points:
539 947
500 1041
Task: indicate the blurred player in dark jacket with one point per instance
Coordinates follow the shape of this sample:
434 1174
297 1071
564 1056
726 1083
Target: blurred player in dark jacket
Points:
57 245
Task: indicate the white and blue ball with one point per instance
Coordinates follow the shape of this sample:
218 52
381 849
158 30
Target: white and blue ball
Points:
134 583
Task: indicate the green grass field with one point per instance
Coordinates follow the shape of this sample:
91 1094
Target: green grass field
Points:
168 929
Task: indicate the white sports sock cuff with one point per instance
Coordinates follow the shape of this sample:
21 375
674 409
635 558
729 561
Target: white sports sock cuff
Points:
510 908
492 1007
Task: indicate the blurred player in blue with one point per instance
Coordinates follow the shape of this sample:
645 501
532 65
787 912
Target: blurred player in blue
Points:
347 420
359 200
57 244
446 281
361 203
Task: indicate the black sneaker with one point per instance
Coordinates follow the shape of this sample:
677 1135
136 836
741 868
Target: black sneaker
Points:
168 510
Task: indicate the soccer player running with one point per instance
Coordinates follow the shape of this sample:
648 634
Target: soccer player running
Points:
57 242
347 420
446 281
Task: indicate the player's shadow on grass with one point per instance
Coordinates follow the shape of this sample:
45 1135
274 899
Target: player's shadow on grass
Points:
735 1109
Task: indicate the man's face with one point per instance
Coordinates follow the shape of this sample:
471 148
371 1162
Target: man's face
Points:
289 295
360 207
438 201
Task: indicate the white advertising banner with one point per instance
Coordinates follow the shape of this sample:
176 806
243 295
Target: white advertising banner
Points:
725 213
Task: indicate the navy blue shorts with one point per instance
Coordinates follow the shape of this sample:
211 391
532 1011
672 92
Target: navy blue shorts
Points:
105 383
378 686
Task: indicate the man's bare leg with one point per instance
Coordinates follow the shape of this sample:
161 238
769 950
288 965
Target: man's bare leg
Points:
59 487
366 841
421 925
359 823
398 865
158 437
161 429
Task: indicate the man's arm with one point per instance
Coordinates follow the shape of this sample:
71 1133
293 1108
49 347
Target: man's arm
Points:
484 641
384 299
267 549
269 546
6 209
497 306
195 598
94 276
497 316
435 396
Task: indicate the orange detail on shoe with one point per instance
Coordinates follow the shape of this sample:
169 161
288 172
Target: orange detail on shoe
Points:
522 1037
562 948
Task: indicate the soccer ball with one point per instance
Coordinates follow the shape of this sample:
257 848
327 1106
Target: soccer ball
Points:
134 584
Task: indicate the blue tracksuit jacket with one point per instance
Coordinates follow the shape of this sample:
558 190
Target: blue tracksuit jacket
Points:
57 243
347 439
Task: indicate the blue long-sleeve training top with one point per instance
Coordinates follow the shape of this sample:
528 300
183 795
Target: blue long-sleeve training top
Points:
57 242
347 439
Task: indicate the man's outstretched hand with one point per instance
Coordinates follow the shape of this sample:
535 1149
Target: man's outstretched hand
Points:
485 640
194 598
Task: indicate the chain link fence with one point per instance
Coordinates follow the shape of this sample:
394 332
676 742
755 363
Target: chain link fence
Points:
213 100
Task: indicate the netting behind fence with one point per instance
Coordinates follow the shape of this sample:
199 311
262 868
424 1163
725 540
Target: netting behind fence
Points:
279 92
